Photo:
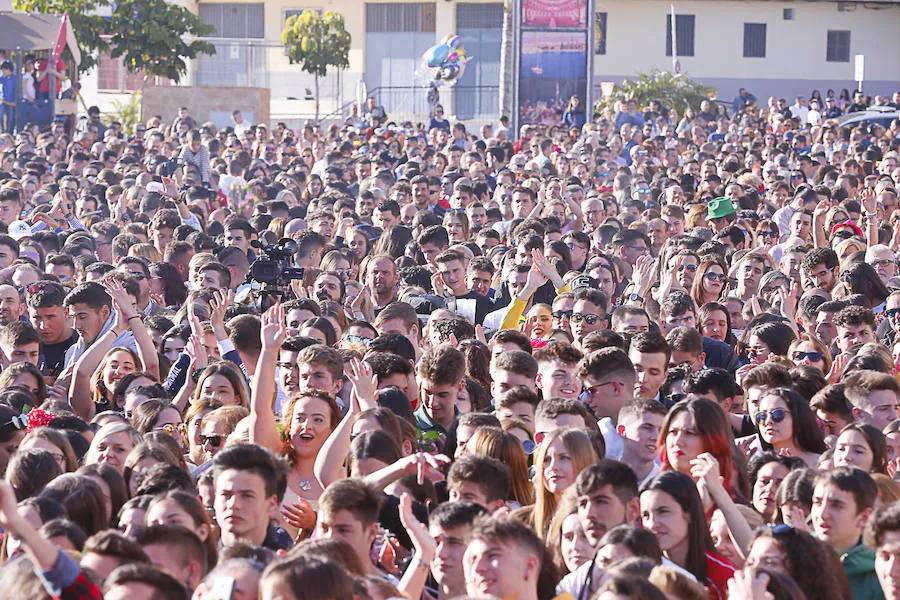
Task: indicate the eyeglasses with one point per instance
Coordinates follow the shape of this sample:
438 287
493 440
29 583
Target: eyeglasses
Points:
562 314
768 234
883 262
690 268
169 428
716 276
843 234
641 248
213 440
754 352
770 289
777 415
288 366
588 318
892 312
813 356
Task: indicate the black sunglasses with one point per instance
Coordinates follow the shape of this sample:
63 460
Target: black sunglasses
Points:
214 440
586 317
559 314
776 414
813 356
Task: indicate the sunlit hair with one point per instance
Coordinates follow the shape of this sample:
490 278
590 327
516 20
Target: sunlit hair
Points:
101 394
581 451
506 448
93 454
697 292
333 409
232 374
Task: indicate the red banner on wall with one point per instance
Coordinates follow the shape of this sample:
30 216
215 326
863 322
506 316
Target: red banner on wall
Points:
554 14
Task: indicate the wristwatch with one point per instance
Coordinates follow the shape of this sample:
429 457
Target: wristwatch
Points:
632 297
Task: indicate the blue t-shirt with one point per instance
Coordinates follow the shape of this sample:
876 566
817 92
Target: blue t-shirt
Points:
8 83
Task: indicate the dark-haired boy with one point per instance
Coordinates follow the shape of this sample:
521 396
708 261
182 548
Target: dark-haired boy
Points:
479 479
247 493
842 502
441 379
451 527
884 536
557 363
348 511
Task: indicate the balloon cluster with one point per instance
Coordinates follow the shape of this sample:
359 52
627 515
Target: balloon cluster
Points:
446 61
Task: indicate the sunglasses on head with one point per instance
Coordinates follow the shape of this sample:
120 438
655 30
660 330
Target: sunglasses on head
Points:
776 414
813 356
17 422
214 440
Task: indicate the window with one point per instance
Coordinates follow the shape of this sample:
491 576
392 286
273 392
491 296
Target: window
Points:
684 34
385 18
754 40
838 49
600 33
788 14
236 21
479 16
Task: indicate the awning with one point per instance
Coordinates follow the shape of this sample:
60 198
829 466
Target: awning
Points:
32 32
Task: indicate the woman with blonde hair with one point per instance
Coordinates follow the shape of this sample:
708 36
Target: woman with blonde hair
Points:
560 457
146 251
111 445
505 447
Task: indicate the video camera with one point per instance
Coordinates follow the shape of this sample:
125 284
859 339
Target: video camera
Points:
272 269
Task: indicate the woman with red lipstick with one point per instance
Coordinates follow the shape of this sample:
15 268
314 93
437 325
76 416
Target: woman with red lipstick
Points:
692 427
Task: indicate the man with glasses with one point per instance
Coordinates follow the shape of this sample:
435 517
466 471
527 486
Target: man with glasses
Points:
630 245
609 381
138 269
884 261
561 311
820 266
579 244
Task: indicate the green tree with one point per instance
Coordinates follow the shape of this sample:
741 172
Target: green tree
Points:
156 37
88 26
677 91
317 41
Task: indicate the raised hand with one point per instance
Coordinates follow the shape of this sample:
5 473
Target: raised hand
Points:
196 352
117 292
422 541
867 199
747 584
365 384
437 284
273 331
644 275
705 471
9 516
837 368
217 307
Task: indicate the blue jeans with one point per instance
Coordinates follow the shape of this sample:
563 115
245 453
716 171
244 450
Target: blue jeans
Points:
6 118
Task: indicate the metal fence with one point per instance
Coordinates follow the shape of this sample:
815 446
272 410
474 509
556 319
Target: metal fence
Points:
466 103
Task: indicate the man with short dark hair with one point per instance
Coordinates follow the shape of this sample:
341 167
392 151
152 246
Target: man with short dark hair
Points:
441 379
820 266
450 524
884 535
842 501
348 511
92 312
47 313
246 483
451 267
176 550
649 352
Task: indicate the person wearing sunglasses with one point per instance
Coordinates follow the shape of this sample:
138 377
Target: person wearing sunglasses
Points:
12 431
588 313
217 426
788 425
808 350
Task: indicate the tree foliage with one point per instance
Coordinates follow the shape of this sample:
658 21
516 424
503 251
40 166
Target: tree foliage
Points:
87 25
152 35
156 37
317 41
677 91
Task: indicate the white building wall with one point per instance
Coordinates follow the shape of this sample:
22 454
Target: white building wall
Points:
795 50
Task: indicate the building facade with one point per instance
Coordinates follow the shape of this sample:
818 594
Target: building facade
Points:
771 48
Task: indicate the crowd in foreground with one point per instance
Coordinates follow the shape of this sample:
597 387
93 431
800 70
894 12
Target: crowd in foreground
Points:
652 356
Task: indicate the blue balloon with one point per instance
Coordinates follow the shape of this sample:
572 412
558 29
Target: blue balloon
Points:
436 55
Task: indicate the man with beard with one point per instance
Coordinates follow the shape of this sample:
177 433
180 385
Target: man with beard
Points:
380 288
328 286
11 305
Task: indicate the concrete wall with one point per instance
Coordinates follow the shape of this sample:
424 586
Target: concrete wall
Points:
206 103
795 50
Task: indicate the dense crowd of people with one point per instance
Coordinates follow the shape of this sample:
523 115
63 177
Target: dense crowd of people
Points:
651 355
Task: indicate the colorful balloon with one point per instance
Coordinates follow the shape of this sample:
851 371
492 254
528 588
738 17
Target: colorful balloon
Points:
436 55
454 42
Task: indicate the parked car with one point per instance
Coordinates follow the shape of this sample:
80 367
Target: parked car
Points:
881 115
